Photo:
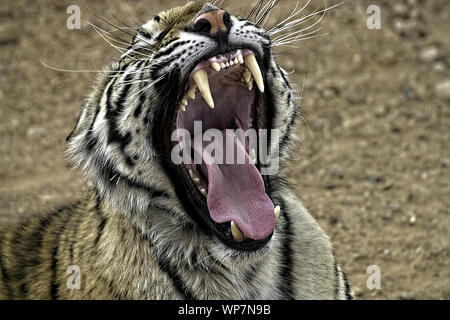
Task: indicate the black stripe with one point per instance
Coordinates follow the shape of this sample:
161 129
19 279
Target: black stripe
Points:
73 237
168 50
165 266
112 177
142 95
101 225
33 247
90 140
287 254
336 278
176 279
287 135
54 291
348 290
5 276
283 76
250 274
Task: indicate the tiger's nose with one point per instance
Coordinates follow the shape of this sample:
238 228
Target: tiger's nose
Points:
212 22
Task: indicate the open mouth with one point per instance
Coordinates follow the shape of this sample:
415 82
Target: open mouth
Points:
226 93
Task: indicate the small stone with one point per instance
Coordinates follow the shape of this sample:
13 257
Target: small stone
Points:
429 54
407 295
443 89
439 66
36 131
412 220
388 57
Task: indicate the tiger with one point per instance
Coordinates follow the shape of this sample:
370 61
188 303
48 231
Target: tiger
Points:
149 228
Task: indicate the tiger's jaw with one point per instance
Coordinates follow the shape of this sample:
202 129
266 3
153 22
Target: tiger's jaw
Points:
225 93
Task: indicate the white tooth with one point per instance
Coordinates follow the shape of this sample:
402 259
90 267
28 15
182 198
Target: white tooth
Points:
250 86
227 64
222 65
236 61
216 66
240 58
194 177
184 102
236 232
183 107
191 92
276 212
252 64
201 79
247 75
203 192
252 155
231 63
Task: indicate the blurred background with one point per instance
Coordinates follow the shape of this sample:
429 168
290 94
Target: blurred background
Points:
374 160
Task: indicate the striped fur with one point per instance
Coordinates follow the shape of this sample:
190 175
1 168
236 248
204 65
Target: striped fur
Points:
132 237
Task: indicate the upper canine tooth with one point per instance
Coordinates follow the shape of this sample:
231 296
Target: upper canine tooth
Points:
276 212
201 79
252 64
216 66
236 232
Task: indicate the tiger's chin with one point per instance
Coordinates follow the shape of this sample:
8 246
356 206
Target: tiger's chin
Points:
224 96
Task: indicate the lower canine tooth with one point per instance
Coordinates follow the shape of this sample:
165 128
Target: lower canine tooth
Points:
252 155
216 66
236 232
276 212
252 64
201 79
247 75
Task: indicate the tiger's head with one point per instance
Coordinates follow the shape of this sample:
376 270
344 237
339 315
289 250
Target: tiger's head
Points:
188 66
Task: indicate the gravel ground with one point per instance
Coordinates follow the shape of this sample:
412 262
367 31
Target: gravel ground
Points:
373 164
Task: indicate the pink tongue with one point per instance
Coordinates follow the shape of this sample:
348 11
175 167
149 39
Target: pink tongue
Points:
236 192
